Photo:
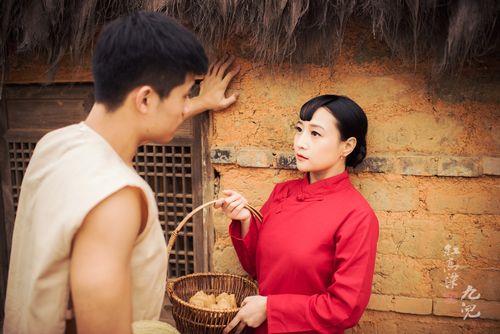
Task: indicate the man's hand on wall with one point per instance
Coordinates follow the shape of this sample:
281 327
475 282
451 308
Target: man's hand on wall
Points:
213 88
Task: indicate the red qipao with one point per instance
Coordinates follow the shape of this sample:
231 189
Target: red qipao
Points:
313 256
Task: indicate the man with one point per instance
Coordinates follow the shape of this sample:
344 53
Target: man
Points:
87 240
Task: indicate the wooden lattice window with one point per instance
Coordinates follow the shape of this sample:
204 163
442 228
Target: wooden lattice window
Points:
172 171
167 168
19 156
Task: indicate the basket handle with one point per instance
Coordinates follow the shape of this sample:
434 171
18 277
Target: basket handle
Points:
179 227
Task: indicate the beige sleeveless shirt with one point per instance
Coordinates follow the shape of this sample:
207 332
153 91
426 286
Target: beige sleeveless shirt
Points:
73 169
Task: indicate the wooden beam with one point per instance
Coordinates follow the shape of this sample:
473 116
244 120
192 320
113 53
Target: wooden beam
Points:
32 68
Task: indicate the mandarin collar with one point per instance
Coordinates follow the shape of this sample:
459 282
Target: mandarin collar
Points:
322 187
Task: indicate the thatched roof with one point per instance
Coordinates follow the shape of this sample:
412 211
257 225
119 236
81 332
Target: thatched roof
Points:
449 32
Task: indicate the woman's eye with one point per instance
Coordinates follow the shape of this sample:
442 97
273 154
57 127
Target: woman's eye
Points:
315 134
298 129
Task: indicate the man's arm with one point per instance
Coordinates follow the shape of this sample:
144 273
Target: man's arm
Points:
100 274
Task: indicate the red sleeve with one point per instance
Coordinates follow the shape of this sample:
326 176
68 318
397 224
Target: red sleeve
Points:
343 303
246 247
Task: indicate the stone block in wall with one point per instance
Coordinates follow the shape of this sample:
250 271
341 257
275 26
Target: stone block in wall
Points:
456 308
459 166
491 165
401 323
386 244
226 261
286 160
400 304
399 275
483 242
412 305
426 244
223 155
417 165
376 164
483 280
380 302
220 223
441 325
254 157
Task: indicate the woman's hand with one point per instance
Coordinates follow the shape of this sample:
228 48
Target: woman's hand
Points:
253 313
233 206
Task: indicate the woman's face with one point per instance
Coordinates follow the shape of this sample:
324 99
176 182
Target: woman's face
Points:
317 143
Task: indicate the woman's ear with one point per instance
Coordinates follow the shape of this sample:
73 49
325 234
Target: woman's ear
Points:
349 146
143 99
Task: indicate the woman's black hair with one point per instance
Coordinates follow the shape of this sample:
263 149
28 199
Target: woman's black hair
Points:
351 121
144 48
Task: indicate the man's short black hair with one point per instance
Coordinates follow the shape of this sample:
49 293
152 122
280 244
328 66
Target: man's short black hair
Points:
144 48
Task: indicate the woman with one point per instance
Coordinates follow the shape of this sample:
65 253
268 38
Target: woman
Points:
314 254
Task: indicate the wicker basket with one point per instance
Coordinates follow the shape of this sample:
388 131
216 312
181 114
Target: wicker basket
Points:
193 319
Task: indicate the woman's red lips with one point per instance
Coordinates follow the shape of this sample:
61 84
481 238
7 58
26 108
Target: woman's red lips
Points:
301 157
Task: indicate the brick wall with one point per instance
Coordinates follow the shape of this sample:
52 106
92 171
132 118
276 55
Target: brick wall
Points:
431 175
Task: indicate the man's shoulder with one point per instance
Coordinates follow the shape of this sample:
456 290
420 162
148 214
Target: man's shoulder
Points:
125 208
122 202
62 133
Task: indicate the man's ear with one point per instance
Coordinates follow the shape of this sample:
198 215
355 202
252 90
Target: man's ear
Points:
143 98
349 146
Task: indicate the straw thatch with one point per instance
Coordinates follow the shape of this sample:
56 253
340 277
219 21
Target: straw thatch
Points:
452 33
